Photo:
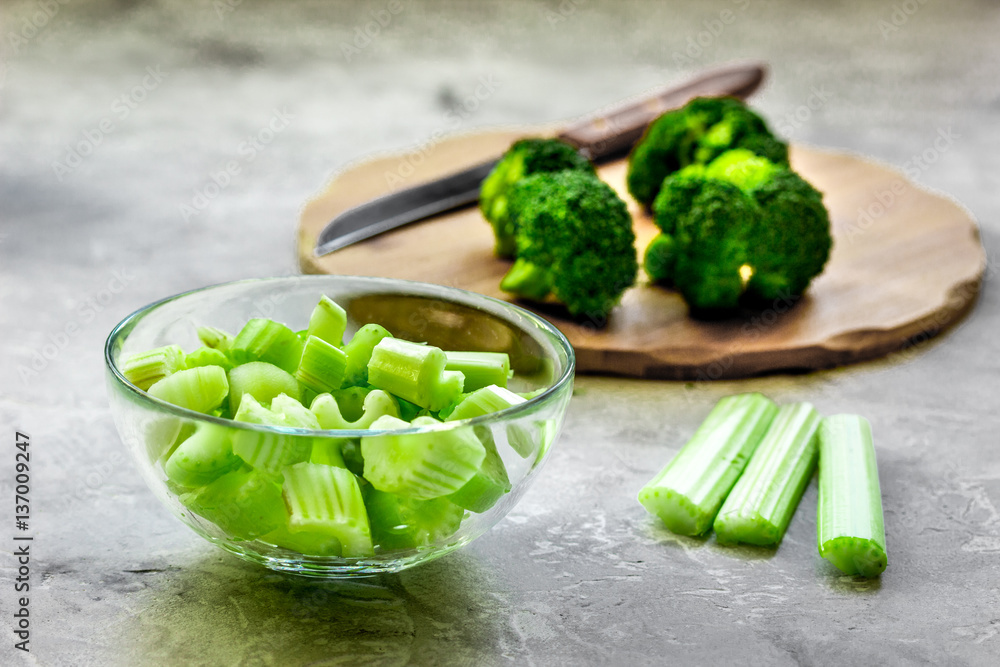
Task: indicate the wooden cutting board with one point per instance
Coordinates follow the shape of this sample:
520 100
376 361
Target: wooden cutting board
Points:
906 264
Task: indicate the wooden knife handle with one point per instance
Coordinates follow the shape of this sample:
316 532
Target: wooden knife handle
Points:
615 131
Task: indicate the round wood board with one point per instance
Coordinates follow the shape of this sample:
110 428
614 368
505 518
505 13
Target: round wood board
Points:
906 263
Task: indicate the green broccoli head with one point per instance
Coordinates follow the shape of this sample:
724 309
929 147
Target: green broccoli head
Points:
794 243
742 229
523 158
574 242
711 236
659 259
695 134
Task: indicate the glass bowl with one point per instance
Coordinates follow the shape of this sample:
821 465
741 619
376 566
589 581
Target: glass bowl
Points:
452 319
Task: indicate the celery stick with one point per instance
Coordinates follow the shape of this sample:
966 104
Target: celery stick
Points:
216 339
244 503
359 353
200 389
322 365
206 356
328 322
269 452
292 413
481 369
261 380
849 524
414 372
688 492
268 341
377 404
421 465
203 457
147 368
760 506
484 401
328 452
399 523
326 500
351 401
489 484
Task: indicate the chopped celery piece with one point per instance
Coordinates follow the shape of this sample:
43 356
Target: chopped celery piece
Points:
484 401
377 404
408 411
322 365
351 451
206 356
326 500
244 503
328 322
328 451
269 341
359 352
202 458
304 542
214 338
849 523
261 380
414 372
292 413
399 523
760 506
269 452
481 369
351 401
688 492
199 389
490 482
421 465
147 368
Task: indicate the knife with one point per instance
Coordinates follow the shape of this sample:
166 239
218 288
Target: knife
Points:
601 137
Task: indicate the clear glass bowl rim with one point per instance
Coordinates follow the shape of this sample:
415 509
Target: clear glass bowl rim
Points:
462 297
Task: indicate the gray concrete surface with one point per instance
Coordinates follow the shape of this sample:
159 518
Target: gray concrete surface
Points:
153 98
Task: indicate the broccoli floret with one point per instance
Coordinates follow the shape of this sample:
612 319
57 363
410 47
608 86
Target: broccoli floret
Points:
794 243
712 237
740 229
661 254
574 243
523 158
696 134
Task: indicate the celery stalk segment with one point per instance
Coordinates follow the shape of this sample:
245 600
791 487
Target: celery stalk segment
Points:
481 369
849 523
688 492
760 506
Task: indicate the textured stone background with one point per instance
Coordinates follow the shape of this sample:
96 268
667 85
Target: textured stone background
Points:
577 574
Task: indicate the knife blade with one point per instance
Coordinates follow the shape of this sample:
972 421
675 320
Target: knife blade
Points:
601 137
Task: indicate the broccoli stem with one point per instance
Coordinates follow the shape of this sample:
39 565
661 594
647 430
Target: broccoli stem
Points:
527 280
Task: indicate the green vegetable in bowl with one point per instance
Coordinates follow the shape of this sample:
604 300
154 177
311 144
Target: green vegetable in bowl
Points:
319 493
575 243
740 229
523 158
696 134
